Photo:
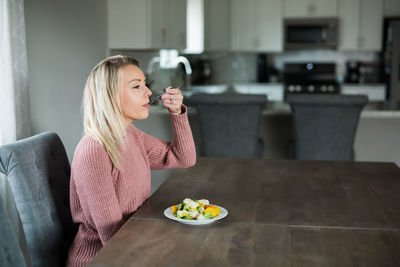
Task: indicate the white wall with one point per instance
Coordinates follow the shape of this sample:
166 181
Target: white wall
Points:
65 40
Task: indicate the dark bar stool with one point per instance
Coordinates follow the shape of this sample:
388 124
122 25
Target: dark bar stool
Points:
229 124
325 125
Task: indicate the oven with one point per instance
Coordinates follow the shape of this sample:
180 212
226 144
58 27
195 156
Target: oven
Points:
310 78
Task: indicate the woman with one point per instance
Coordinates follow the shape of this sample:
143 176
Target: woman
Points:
110 172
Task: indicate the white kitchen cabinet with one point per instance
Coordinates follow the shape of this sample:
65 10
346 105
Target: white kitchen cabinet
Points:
310 8
375 92
391 8
360 25
256 25
177 23
371 19
144 24
216 24
273 91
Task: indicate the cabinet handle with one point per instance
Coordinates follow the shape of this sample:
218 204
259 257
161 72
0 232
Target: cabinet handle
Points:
256 42
163 35
311 9
360 42
183 39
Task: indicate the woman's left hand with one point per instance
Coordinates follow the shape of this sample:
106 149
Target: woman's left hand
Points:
173 99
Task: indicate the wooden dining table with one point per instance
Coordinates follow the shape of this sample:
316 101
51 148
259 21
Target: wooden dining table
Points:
280 213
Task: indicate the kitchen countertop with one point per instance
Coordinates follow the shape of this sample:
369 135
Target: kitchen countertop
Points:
275 91
282 108
275 95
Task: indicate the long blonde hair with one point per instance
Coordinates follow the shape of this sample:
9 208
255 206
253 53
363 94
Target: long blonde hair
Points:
103 117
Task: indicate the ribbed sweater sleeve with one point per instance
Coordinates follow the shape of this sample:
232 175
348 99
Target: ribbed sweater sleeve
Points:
181 153
92 173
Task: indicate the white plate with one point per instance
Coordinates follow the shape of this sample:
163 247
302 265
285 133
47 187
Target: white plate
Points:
168 213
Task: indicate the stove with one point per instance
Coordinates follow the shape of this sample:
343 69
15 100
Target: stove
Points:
310 78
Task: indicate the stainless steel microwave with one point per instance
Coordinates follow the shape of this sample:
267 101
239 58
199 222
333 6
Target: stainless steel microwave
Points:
320 33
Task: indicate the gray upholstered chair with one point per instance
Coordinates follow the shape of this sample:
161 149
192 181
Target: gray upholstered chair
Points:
229 124
38 172
10 251
325 125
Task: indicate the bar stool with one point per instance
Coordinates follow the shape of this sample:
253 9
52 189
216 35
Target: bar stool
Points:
325 125
229 124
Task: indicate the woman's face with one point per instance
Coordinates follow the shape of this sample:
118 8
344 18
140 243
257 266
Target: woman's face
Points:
134 94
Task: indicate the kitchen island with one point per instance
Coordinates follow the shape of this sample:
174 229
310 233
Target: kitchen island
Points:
377 137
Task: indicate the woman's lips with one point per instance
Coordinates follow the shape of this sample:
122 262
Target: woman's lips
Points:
146 105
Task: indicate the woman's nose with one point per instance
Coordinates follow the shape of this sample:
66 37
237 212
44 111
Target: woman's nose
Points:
148 91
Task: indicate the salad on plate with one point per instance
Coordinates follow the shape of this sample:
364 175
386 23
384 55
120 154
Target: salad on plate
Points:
191 209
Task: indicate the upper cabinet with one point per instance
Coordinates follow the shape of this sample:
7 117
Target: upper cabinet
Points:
310 8
391 8
216 24
174 23
256 25
146 24
360 25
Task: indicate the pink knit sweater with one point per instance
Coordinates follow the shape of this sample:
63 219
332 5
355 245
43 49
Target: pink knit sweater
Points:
103 197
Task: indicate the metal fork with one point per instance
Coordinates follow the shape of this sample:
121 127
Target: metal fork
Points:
163 92
160 95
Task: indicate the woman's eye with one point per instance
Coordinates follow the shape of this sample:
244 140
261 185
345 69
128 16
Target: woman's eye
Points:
136 87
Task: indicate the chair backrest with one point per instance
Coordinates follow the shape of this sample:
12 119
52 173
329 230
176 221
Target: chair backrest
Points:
229 124
38 171
10 251
325 125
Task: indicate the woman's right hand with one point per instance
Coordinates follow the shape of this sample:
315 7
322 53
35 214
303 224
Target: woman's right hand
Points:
173 100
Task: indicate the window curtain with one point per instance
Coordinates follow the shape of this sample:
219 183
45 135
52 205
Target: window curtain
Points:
14 95
14 100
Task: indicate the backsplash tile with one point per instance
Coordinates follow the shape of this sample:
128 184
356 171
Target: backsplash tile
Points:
241 67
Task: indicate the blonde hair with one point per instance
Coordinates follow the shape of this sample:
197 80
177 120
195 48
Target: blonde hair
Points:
103 117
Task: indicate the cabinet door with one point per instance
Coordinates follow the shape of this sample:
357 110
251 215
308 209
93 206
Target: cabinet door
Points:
177 24
360 25
310 8
298 8
269 30
159 24
391 8
243 23
326 8
349 24
216 24
128 24
168 24
371 20
144 24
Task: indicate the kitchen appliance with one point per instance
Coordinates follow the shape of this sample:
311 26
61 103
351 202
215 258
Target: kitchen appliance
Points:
391 62
310 78
262 69
362 72
202 71
369 72
320 33
352 72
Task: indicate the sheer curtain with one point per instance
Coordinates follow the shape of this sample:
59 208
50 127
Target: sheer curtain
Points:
14 95
14 98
